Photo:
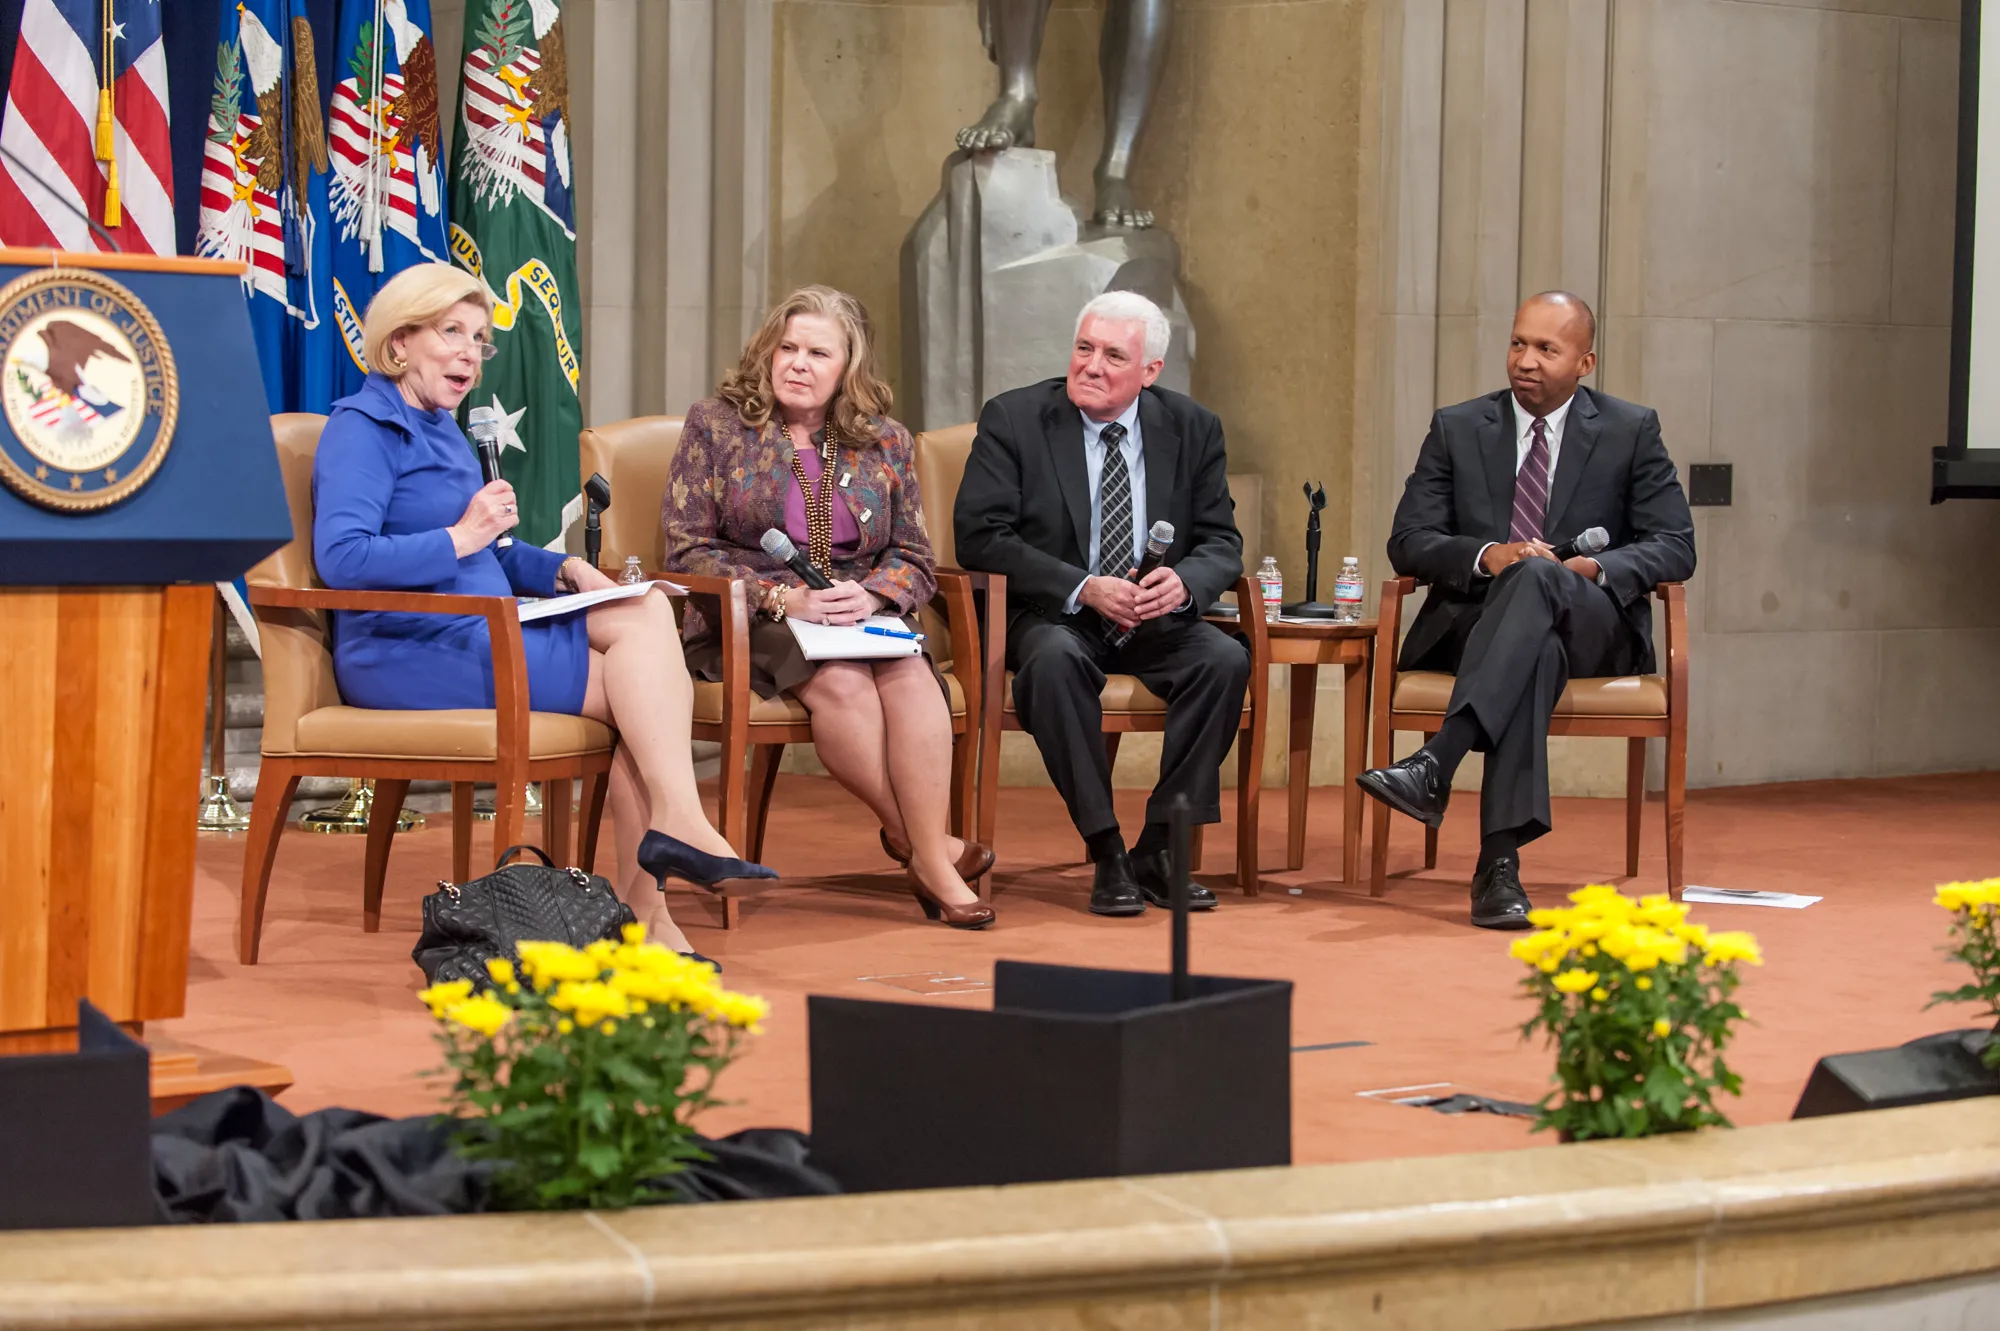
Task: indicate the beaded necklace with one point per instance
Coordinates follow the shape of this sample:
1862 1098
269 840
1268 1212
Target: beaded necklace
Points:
819 499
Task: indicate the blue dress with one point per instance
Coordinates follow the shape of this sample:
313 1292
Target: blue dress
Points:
387 481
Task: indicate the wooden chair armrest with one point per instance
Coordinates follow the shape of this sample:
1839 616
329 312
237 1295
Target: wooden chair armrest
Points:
1251 623
503 632
961 617
1388 629
1673 595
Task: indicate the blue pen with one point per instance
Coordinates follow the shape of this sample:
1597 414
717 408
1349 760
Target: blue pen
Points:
881 632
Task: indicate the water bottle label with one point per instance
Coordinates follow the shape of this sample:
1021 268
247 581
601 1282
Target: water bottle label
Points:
1347 589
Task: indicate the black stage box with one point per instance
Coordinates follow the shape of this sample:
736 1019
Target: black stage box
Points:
1074 1073
1936 1067
76 1144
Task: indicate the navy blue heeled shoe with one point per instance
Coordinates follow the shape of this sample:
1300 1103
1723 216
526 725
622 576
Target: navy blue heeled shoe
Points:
664 857
706 961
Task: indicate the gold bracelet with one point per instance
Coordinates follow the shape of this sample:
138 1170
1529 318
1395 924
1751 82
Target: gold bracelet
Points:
774 601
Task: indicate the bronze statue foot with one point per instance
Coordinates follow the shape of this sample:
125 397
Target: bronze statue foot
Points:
1117 207
1008 123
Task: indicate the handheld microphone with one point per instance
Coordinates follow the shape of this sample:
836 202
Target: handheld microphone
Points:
779 546
1589 541
1158 539
483 424
597 498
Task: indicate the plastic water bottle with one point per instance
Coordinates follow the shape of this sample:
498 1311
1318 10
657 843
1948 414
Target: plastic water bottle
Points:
1272 583
633 574
1347 592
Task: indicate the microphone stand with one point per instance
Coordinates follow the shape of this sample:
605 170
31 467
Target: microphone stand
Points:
1311 608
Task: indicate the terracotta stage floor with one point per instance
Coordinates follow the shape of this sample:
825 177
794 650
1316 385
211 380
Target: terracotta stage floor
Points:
1390 993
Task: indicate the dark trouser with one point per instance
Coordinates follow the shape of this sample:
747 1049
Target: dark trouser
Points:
1059 674
1540 625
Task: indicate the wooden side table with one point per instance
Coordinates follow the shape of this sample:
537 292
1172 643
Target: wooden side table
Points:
1305 648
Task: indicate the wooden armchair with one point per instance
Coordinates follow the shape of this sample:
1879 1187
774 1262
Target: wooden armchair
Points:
634 457
309 730
1128 704
1635 708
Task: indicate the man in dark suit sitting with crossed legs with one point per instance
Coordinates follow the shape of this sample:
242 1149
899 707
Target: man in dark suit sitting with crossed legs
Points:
1063 481
1500 481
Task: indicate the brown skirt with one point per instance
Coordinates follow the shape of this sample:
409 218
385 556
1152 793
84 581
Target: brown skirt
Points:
777 665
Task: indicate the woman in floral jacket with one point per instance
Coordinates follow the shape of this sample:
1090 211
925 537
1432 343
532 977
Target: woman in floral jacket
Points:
798 437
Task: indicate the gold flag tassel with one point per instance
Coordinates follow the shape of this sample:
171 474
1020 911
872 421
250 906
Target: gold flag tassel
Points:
107 125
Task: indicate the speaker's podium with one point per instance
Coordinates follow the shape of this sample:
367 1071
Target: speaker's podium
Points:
136 470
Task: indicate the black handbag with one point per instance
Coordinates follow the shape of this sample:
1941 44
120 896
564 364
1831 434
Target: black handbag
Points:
468 924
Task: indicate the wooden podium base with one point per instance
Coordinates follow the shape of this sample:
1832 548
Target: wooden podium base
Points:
181 1071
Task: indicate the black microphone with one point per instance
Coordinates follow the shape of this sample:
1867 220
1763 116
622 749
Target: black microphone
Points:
483 423
1158 539
1589 541
597 498
58 196
779 546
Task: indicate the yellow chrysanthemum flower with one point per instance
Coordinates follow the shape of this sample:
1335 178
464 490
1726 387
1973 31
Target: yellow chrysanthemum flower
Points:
634 933
484 1014
441 996
1732 946
501 969
565 1026
745 1011
553 963
609 1028
1575 981
1531 948
1600 995
1549 965
1643 983
590 1002
1662 1027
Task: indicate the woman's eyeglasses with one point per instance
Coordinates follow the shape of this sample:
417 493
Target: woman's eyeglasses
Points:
456 337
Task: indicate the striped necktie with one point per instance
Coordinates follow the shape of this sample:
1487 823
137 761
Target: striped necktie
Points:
1531 487
1114 507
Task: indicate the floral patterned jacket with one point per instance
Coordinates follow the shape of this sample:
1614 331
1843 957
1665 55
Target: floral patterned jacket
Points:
727 487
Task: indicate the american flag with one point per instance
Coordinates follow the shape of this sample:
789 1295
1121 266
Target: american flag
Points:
51 119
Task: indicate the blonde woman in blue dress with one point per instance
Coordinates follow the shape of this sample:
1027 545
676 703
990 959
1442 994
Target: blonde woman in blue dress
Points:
398 505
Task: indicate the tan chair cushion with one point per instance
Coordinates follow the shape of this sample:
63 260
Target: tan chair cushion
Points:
941 456
634 456
447 736
1122 695
785 709
1622 695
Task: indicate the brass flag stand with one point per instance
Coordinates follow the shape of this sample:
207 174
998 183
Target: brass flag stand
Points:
219 813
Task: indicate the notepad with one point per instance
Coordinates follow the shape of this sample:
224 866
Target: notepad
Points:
848 642
1743 896
532 609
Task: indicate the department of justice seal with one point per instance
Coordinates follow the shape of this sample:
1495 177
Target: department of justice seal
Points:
88 391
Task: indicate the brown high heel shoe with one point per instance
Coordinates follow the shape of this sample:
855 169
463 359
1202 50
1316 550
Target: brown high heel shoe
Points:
976 916
974 860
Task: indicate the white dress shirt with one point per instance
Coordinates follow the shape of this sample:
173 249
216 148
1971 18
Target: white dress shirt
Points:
1135 466
1524 439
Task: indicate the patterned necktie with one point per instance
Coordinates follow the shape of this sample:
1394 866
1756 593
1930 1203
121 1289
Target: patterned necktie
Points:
1531 488
1114 507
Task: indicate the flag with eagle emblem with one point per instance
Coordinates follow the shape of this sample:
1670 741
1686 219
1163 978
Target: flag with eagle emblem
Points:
513 224
263 194
387 191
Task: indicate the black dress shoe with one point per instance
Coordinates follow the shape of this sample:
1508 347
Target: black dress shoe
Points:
1416 786
1154 874
665 857
1498 901
1115 892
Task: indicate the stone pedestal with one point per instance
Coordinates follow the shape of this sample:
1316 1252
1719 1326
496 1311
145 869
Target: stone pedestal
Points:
994 273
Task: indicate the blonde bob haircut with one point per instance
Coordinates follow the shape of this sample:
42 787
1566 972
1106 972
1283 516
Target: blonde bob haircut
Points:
861 394
411 299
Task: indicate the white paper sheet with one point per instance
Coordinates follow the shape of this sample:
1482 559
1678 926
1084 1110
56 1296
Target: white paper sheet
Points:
848 642
532 609
1733 896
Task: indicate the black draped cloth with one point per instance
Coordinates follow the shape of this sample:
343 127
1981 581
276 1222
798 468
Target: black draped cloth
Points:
238 1155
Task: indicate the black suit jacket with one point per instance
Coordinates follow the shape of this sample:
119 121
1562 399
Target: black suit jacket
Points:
1613 472
1023 508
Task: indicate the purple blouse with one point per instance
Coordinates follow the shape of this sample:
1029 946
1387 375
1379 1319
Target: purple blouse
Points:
846 531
